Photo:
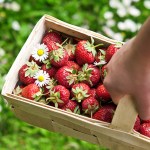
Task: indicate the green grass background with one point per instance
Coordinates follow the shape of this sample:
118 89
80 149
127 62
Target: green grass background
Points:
119 19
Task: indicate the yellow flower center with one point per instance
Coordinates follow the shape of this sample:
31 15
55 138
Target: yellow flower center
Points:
40 52
41 78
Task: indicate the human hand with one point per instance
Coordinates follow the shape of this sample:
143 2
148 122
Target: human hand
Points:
128 72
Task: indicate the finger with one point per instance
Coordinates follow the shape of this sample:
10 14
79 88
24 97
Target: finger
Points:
143 106
115 93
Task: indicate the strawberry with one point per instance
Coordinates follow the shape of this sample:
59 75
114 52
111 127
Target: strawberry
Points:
27 72
105 113
32 92
92 93
85 52
52 45
145 129
111 50
73 64
52 36
49 69
66 76
145 121
59 57
90 105
72 106
59 95
80 91
102 93
89 75
137 124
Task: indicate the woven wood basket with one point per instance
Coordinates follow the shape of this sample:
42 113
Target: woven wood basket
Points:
117 135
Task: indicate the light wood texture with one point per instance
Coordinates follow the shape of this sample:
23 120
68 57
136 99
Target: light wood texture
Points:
125 115
82 126
117 136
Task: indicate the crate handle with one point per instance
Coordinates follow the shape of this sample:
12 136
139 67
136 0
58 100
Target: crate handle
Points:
125 115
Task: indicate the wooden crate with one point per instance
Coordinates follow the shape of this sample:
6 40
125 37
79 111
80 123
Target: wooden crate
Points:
117 135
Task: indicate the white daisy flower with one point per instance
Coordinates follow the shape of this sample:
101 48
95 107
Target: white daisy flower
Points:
102 62
147 4
40 52
42 78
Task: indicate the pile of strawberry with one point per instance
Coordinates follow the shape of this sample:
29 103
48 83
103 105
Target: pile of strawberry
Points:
68 73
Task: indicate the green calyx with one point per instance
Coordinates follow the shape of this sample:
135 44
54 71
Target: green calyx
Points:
51 84
47 63
38 95
17 91
58 54
55 98
105 73
91 109
118 44
101 57
72 77
31 69
85 73
79 94
70 48
90 47
77 110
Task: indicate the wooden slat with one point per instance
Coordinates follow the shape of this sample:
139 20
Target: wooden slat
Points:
74 133
34 120
47 106
125 115
118 144
95 129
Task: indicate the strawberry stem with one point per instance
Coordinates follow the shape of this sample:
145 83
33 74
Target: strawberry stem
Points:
64 41
98 45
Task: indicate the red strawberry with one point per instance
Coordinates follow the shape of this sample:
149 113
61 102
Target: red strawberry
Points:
27 72
102 93
145 129
52 45
49 69
111 50
89 75
59 95
90 105
80 91
85 52
31 91
137 124
52 36
59 57
105 113
72 106
66 76
73 65
145 121
92 93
